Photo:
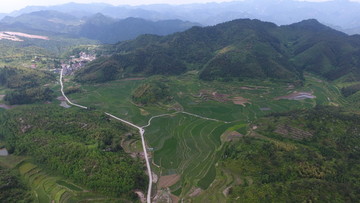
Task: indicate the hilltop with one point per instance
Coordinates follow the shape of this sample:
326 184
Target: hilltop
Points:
237 49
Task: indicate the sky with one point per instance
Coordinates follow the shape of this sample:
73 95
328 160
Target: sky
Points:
7 6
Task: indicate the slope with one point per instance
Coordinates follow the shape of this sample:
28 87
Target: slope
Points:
235 50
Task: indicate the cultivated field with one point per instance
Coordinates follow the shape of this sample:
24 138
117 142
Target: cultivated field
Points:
187 148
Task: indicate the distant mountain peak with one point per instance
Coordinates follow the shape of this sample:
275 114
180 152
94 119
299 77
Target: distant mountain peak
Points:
310 24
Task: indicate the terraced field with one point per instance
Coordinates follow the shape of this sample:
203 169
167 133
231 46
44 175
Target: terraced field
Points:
189 147
49 188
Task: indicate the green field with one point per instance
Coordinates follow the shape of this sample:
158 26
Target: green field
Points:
190 146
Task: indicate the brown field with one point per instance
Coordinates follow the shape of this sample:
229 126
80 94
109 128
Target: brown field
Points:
174 199
230 135
196 192
240 101
15 36
297 96
215 96
169 180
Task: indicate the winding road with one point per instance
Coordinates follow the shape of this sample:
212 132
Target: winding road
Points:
141 131
62 92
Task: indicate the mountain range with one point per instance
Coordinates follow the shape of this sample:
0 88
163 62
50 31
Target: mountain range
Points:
237 49
95 27
280 12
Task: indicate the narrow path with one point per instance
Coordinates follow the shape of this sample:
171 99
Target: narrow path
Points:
149 122
62 92
205 118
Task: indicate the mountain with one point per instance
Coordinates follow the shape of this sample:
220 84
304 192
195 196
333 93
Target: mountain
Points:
46 20
76 9
108 30
235 50
352 31
96 27
331 13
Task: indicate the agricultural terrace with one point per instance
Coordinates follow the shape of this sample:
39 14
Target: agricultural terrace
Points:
185 149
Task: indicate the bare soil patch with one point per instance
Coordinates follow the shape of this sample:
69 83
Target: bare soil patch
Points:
240 101
252 88
196 192
210 95
174 199
61 98
169 180
247 88
230 135
141 196
297 96
131 79
64 104
14 36
143 112
226 191
155 177
292 132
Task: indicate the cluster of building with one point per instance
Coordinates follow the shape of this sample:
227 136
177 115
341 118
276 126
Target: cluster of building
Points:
77 62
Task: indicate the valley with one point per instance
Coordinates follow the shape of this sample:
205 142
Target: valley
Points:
242 111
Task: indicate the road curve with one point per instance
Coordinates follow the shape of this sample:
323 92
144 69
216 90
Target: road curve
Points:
62 92
149 122
141 131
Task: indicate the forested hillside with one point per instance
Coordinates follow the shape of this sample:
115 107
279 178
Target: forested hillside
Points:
27 85
12 189
299 156
83 146
234 50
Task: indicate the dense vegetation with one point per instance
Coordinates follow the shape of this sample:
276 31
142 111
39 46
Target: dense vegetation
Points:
27 85
350 90
11 187
309 155
241 49
117 66
84 146
152 92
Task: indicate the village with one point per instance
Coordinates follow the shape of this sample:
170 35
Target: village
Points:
75 63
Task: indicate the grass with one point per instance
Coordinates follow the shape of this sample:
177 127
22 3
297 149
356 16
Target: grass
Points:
68 185
190 146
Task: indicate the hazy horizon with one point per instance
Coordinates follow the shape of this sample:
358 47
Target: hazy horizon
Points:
20 4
